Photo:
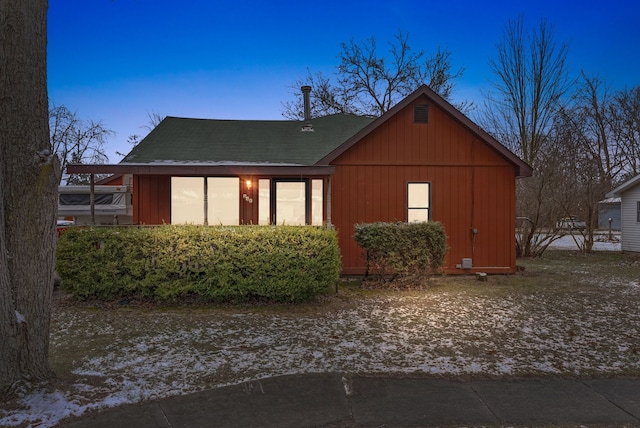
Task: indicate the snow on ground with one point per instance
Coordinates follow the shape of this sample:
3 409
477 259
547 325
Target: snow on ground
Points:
437 333
602 242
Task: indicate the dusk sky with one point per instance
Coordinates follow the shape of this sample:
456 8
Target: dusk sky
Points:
118 61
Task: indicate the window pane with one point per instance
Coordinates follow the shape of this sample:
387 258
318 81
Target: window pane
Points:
264 196
418 215
290 203
187 200
223 201
418 202
418 195
316 202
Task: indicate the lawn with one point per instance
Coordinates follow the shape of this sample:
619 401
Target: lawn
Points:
565 314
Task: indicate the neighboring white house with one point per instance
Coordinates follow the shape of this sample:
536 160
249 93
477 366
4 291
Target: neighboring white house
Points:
629 192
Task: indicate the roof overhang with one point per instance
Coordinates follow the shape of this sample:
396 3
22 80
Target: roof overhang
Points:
202 169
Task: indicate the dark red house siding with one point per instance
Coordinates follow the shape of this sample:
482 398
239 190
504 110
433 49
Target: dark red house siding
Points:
472 187
151 199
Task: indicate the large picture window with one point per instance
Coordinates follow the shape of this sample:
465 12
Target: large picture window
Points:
187 200
222 202
418 202
223 206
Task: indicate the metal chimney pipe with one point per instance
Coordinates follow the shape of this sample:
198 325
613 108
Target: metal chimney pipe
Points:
306 91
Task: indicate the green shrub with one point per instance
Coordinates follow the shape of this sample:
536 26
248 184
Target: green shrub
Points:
402 250
238 264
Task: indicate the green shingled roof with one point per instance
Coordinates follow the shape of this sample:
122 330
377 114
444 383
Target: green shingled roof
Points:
207 141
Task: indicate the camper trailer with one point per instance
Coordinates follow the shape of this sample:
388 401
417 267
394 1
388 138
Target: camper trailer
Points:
111 205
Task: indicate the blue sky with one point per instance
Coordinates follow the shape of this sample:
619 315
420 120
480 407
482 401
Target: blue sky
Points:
119 60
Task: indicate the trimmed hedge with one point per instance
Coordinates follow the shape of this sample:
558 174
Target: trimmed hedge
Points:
237 264
402 250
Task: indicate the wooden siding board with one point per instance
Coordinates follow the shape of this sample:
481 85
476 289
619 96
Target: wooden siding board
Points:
136 200
390 154
165 199
440 139
384 195
152 195
399 146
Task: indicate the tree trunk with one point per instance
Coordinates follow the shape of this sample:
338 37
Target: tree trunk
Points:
28 195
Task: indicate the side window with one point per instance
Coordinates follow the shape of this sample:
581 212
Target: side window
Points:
638 212
418 202
316 202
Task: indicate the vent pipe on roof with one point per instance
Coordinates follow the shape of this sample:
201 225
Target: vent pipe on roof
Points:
306 92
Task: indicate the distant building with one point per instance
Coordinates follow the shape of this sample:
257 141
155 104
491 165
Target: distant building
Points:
629 194
609 209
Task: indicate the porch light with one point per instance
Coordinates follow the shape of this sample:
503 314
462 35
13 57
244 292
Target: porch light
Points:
248 184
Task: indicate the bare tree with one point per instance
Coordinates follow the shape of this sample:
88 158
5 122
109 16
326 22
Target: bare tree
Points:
76 141
594 112
29 175
370 83
626 125
531 80
582 175
134 139
581 160
530 84
154 120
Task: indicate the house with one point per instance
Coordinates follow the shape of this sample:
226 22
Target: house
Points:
629 194
423 160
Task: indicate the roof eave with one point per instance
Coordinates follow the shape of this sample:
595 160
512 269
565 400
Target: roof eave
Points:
200 170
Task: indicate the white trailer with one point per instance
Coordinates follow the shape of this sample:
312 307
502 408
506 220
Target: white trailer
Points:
112 205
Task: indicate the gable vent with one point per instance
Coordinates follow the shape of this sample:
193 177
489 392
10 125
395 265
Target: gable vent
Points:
421 113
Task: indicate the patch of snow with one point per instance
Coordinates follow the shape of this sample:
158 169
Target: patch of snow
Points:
20 318
45 409
602 243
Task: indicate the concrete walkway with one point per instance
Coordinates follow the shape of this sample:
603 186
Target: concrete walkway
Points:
333 400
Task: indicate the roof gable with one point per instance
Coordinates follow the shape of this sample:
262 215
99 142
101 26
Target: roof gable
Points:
244 142
522 168
627 185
